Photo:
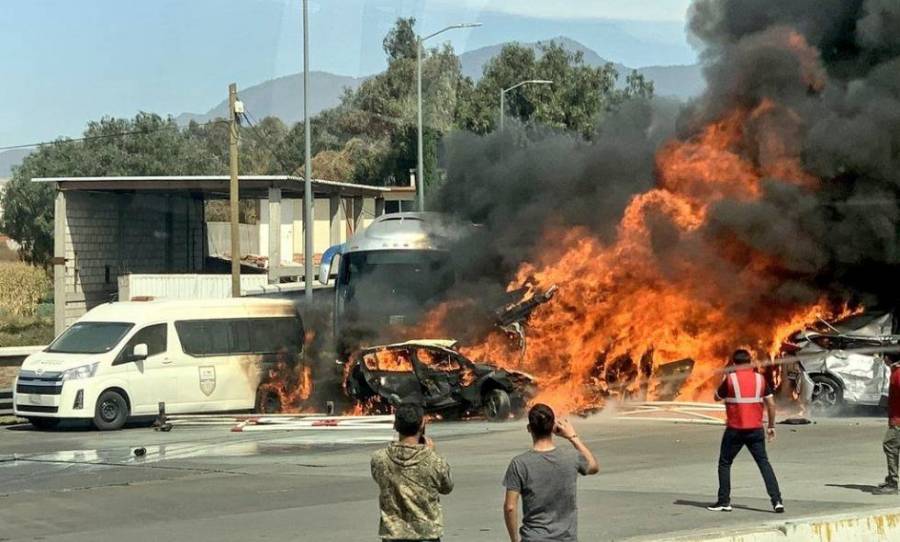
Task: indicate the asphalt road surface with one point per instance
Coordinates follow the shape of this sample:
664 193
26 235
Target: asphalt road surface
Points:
209 484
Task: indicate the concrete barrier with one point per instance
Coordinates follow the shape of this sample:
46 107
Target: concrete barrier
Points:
13 356
866 526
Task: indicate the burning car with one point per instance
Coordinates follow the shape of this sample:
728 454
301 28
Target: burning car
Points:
434 374
841 363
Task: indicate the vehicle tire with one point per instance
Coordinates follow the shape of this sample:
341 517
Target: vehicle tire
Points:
827 396
44 424
111 411
267 402
496 405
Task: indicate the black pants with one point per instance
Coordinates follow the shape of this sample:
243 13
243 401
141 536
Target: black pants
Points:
755 441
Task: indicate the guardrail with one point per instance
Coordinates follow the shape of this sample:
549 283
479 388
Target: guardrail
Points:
6 402
13 357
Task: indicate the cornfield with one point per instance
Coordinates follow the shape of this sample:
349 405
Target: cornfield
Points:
22 288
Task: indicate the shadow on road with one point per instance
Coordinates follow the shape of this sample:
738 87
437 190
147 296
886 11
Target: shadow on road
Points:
703 505
74 426
859 487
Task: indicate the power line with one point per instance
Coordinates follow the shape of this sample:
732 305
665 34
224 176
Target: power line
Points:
265 143
103 136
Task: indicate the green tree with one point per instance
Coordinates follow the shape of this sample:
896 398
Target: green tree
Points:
144 145
579 96
401 41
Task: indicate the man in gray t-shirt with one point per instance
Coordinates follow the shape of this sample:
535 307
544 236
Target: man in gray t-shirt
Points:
546 477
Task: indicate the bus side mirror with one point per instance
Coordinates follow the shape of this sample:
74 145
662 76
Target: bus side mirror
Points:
139 352
327 259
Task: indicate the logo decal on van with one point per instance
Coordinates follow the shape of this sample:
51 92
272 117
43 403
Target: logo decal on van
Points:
207 380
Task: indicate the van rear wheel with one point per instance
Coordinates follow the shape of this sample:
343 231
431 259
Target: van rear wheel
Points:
111 411
267 402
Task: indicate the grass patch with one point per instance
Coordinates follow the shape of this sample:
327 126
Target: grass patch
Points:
25 330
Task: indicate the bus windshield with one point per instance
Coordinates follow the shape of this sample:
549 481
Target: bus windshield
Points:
392 286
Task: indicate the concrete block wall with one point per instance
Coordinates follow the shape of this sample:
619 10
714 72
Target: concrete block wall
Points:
108 234
292 229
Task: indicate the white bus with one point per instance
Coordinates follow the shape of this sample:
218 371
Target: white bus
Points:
121 360
389 275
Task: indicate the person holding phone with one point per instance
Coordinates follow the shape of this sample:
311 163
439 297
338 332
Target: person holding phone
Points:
411 477
545 477
747 396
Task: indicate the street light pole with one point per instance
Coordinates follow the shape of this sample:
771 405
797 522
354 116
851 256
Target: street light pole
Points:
308 208
517 85
420 166
420 161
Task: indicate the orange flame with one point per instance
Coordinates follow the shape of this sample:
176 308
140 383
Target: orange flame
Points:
293 384
665 290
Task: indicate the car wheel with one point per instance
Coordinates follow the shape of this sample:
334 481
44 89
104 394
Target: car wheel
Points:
111 411
44 424
268 402
497 406
827 396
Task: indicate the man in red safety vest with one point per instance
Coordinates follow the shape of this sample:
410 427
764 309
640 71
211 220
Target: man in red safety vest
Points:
891 443
746 395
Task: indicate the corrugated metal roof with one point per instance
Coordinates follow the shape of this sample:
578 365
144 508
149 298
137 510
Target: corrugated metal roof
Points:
211 183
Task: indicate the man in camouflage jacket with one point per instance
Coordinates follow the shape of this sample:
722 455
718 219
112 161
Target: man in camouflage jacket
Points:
411 476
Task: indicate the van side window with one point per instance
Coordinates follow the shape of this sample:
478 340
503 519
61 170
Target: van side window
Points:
269 335
239 336
154 337
204 337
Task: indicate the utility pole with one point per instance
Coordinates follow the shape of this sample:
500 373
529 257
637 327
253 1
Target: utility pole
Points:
234 192
309 218
420 167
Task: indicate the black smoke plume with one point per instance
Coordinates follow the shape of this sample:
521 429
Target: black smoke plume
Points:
833 68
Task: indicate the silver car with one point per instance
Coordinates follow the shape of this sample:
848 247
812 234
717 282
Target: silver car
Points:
840 363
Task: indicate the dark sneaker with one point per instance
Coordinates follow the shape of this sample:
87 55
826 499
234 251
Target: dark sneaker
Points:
778 507
719 507
885 490
886 484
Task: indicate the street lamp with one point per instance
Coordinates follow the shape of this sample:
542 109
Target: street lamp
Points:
309 219
517 85
420 168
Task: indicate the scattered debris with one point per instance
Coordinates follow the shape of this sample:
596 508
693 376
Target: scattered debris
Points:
513 317
284 422
796 421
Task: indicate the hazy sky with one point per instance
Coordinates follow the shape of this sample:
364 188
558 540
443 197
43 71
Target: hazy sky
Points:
65 62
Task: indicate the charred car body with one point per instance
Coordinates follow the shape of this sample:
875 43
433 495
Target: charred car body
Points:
841 363
435 375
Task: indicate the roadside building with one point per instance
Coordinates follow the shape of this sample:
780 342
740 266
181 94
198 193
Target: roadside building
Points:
110 230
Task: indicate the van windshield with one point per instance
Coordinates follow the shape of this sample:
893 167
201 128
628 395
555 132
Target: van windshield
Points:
90 338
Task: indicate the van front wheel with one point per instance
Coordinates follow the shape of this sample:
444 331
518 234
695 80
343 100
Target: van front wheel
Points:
111 411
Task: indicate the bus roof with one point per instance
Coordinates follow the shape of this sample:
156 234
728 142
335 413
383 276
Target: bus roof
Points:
406 231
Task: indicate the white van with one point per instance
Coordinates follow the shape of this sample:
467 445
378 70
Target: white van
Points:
123 359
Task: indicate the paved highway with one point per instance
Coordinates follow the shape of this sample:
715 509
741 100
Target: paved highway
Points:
209 484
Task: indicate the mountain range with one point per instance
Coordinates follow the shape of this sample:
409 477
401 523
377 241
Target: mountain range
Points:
283 97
